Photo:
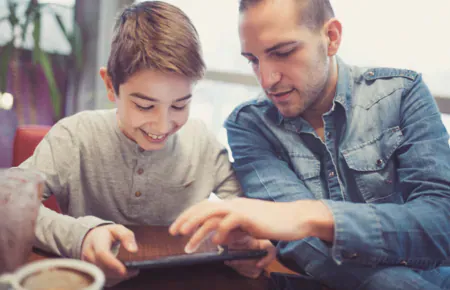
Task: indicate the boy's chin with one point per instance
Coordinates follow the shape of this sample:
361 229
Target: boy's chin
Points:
150 146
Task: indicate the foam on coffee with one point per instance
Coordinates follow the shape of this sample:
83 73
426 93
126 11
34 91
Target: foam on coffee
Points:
57 278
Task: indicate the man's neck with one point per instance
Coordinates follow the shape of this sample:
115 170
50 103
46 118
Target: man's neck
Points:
314 114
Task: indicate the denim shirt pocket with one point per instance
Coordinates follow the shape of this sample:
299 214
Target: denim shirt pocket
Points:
307 168
372 165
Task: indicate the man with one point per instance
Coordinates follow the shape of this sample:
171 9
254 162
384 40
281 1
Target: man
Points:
363 151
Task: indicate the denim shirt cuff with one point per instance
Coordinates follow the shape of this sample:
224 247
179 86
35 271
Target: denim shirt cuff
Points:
356 229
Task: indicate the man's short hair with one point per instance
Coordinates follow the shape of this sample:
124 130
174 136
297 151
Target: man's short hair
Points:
313 13
154 35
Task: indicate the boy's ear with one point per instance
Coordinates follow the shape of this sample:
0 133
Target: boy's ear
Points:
108 84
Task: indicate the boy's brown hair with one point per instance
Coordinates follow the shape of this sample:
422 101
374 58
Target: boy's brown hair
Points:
154 35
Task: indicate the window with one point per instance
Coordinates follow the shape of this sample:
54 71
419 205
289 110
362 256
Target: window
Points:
52 38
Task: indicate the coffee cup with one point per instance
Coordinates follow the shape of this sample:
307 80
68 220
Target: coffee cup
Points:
55 274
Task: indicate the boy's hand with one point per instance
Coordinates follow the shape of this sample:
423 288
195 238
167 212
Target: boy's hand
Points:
250 268
97 246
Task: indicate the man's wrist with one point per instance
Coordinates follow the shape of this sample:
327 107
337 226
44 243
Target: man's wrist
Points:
320 221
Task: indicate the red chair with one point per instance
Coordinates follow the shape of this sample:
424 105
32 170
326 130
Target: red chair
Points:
26 139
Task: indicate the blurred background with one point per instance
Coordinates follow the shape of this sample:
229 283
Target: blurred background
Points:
50 53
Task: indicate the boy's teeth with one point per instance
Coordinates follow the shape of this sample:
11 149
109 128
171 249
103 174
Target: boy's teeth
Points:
155 136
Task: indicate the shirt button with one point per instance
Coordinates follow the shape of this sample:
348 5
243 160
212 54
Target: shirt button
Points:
404 263
354 256
331 174
140 171
371 73
138 194
379 162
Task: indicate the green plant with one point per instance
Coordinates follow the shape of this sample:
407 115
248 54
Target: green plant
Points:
32 20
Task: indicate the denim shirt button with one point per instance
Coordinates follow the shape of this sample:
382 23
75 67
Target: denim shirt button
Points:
379 162
371 73
331 174
404 263
350 256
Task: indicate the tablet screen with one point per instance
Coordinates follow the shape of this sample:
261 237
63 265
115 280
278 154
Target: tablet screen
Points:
157 249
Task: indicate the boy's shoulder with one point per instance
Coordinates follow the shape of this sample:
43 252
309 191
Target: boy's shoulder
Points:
196 133
87 119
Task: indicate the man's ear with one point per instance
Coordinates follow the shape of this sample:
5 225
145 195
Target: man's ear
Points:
108 84
333 31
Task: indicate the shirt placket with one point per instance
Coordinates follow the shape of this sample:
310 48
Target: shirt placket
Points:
335 187
136 194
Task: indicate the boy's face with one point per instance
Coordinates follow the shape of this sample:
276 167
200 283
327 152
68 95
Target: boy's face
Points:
151 106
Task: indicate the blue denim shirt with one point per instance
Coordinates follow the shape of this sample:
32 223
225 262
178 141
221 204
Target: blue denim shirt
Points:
383 170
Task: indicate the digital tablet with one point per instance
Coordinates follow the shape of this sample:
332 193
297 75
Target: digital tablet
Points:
158 249
195 258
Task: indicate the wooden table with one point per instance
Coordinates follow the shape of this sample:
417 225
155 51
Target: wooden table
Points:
207 276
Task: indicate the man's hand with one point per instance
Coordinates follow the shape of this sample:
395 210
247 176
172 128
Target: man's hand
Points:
97 246
261 219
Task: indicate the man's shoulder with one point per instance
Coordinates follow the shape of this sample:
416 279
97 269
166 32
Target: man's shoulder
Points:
370 74
371 84
255 107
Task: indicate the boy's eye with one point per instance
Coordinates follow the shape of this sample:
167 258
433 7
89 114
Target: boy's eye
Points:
179 108
144 108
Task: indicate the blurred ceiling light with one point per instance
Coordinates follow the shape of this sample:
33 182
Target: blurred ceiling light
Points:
6 101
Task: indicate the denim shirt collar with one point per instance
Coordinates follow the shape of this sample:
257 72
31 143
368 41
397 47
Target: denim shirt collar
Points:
344 86
343 96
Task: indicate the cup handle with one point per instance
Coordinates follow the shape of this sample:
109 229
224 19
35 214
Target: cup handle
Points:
7 282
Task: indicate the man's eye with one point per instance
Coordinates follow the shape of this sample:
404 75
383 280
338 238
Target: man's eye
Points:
144 108
282 54
252 60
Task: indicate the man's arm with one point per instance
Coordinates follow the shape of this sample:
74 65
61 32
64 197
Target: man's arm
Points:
261 173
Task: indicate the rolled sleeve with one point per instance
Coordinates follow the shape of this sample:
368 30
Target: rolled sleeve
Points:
356 229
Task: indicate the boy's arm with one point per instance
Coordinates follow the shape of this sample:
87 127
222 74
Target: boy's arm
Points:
55 156
226 184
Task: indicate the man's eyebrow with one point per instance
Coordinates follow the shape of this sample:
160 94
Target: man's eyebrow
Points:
247 54
147 98
270 49
280 45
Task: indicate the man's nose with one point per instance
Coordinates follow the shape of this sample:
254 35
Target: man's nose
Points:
268 77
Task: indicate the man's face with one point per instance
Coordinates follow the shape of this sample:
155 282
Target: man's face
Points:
153 105
290 60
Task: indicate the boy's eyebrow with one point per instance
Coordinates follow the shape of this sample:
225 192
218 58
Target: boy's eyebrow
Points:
184 98
275 47
147 98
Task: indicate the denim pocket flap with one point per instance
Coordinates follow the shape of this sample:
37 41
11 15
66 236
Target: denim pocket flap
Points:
374 154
